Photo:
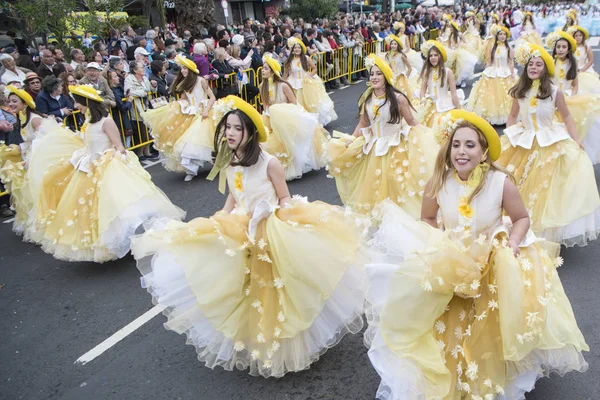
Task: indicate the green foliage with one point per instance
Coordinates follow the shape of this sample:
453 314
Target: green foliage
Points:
138 21
312 9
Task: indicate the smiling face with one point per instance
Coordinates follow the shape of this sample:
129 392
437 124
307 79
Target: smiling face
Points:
234 132
394 45
562 48
434 57
466 151
297 50
267 72
376 78
15 103
535 68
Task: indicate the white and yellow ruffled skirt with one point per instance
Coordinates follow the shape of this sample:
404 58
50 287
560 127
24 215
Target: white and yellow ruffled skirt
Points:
313 97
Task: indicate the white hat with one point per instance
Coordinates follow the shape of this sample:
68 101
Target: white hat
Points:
94 65
237 39
142 51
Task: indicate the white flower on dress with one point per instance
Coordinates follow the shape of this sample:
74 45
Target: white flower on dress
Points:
256 304
462 315
499 390
526 265
260 338
230 253
440 281
267 364
278 283
492 288
70 222
481 316
426 285
472 371
456 351
247 291
458 333
275 346
262 244
559 261
441 345
264 257
239 346
489 396
255 355
475 284
281 316
488 383
277 332
440 327
532 318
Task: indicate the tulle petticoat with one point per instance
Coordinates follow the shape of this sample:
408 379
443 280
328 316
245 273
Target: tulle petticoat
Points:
296 139
313 97
558 187
262 302
365 180
489 99
531 37
91 216
462 63
585 110
415 60
449 318
588 82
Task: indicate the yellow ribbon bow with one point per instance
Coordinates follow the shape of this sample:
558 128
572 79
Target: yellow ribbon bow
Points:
224 158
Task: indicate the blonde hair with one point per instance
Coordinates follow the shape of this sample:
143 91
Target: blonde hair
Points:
234 51
443 165
219 54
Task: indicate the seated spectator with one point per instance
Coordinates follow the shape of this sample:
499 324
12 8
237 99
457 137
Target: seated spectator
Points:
120 112
77 59
93 77
52 101
46 64
33 84
12 73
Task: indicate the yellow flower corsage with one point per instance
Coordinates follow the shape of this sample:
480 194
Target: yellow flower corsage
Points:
464 208
238 182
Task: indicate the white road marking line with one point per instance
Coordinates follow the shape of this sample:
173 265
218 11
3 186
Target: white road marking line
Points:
477 75
358 81
344 87
330 92
148 164
120 335
595 41
10 220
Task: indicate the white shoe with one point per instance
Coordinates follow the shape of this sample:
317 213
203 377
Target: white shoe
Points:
463 85
188 177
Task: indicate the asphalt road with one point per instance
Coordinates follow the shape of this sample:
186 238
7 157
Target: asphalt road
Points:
53 312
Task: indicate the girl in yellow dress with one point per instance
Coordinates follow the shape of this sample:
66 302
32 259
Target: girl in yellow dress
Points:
571 20
389 154
91 204
588 78
184 130
20 169
488 42
471 38
460 60
528 33
583 107
301 73
475 310
405 77
554 175
489 97
438 87
414 58
446 30
295 136
270 282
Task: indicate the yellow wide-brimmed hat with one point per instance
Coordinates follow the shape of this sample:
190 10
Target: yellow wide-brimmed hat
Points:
398 24
295 41
23 95
432 43
575 28
449 124
554 37
373 59
186 62
231 103
273 64
396 39
527 51
86 91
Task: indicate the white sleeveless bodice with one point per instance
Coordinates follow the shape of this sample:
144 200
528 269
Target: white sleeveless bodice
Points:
196 99
251 185
381 135
582 58
397 64
560 77
440 95
486 206
297 74
537 122
96 143
500 67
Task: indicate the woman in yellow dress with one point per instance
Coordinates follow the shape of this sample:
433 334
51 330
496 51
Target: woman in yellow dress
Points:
268 283
488 42
583 107
438 87
295 136
471 39
528 34
405 77
91 204
570 21
588 78
20 168
476 309
489 97
446 30
460 59
553 173
389 154
301 73
414 58
184 130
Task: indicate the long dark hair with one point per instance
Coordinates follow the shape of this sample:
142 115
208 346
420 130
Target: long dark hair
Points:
519 91
572 72
303 60
264 88
493 55
28 112
182 84
390 95
97 110
427 67
454 38
251 149
530 18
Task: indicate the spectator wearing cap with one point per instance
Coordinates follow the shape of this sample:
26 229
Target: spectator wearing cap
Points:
143 57
94 78
12 73
199 57
46 64
52 101
33 84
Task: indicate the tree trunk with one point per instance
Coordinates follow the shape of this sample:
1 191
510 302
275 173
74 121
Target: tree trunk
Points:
195 14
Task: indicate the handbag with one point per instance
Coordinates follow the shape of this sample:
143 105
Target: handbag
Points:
158 102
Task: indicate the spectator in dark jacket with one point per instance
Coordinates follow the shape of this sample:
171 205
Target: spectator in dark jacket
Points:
120 112
51 100
159 69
